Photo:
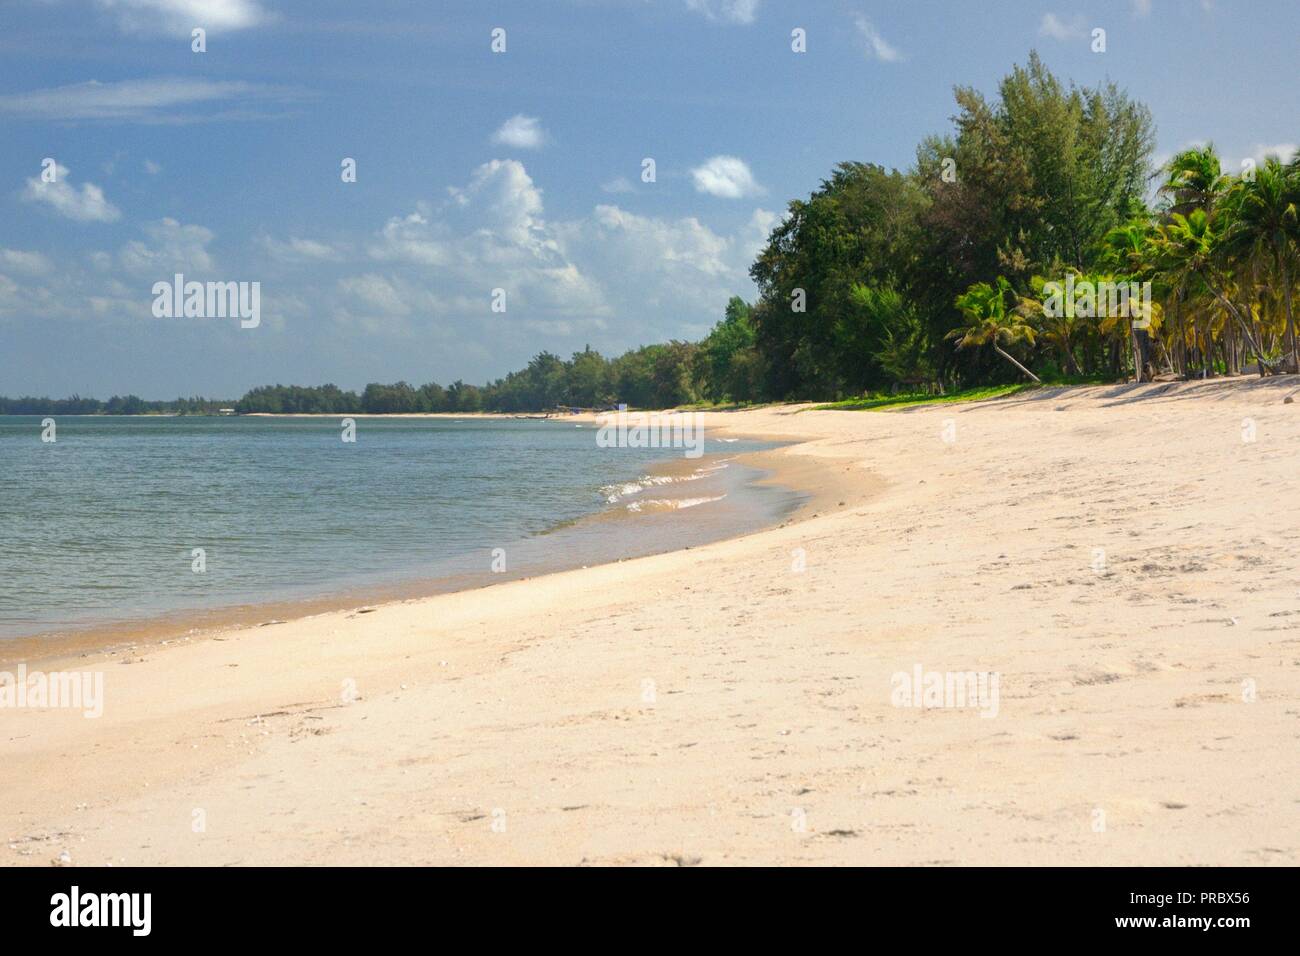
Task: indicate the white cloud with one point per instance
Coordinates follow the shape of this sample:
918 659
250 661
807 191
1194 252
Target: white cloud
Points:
31 263
504 203
1058 29
727 177
490 234
1283 151
520 132
876 44
172 247
658 277
179 17
609 276
1235 163
152 168
295 250
85 205
9 295
147 100
619 184
1141 8
375 292
653 270
726 11
113 286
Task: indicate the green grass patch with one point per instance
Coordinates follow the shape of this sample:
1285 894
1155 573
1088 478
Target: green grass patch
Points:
870 402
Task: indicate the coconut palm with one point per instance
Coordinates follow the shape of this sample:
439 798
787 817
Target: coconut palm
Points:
1060 330
1130 251
1189 253
1263 220
990 322
1194 180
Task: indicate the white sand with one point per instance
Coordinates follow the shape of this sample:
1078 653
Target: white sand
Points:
771 737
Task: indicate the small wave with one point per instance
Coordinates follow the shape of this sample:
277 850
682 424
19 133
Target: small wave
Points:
613 493
669 504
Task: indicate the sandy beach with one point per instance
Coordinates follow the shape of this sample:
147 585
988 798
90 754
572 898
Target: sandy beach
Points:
1123 558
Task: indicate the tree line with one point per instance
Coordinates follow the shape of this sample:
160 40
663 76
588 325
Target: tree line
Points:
117 405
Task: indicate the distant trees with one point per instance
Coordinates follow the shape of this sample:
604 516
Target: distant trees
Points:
117 405
298 400
728 365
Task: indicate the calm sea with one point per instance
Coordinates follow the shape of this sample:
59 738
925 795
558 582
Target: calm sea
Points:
101 526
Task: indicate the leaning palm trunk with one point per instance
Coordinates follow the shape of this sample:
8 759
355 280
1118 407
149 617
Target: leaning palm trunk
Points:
1006 356
1290 320
1241 322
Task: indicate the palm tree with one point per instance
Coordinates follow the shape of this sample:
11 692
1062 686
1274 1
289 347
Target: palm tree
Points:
1194 180
1188 252
1061 331
989 322
1263 220
1130 251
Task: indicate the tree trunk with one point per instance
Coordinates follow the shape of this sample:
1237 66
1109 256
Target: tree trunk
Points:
1229 347
1071 366
998 349
1290 320
1245 328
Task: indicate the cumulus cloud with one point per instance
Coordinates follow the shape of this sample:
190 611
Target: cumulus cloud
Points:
664 277
179 17
726 11
171 247
489 234
30 263
1059 29
727 177
117 286
520 132
86 204
876 44
609 276
440 262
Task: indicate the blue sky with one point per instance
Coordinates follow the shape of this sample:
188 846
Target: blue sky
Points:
478 170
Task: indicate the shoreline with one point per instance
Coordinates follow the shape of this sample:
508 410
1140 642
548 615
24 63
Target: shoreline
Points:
192 625
686 707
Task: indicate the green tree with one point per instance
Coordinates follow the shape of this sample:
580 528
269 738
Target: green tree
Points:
990 322
1263 220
